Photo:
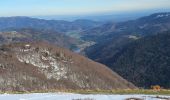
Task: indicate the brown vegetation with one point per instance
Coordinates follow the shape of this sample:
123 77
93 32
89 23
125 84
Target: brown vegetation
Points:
35 69
156 87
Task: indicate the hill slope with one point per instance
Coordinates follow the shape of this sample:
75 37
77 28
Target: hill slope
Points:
40 66
31 34
113 41
144 62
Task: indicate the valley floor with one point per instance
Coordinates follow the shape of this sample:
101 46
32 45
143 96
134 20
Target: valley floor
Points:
71 96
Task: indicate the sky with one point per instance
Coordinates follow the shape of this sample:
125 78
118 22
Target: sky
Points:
77 7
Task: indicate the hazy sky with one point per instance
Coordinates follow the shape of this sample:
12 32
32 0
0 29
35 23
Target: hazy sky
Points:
78 7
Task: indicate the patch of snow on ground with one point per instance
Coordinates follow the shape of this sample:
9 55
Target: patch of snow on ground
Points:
70 96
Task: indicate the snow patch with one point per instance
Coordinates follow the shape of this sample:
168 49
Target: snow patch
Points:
133 37
43 62
70 96
162 15
27 45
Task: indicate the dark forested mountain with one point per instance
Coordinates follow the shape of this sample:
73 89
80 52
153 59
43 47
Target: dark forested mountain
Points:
104 50
134 50
40 66
31 34
56 25
144 62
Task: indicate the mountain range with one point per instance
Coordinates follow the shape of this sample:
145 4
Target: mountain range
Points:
148 25
56 25
59 32
138 50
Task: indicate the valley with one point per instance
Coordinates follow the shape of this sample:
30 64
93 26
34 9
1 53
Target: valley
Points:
84 50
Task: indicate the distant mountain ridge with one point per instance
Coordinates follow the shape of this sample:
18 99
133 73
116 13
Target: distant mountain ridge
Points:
57 25
149 25
113 37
